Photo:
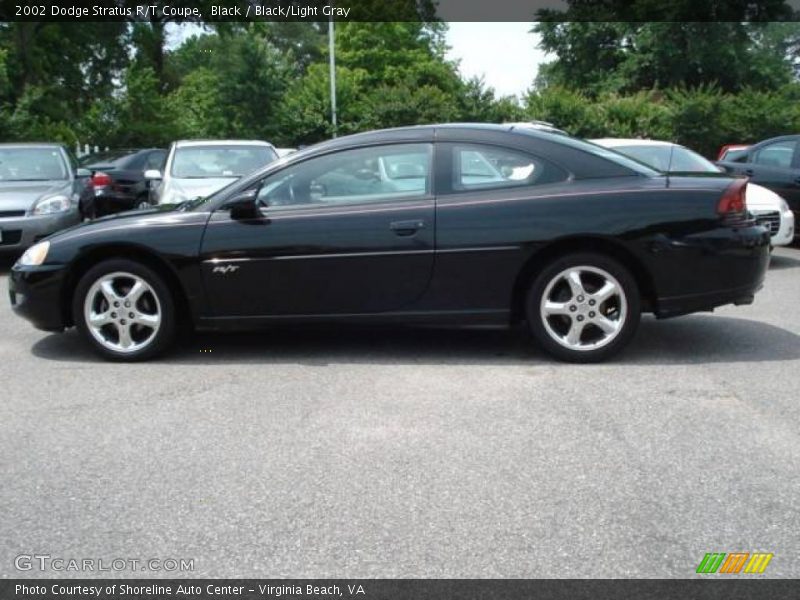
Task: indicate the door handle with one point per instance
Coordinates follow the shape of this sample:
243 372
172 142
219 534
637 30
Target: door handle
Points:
407 227
748 172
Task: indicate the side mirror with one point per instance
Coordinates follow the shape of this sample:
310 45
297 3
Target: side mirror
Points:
152 174
244 205
82 173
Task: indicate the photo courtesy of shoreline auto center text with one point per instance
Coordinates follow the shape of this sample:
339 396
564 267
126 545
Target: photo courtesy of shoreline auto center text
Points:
399 299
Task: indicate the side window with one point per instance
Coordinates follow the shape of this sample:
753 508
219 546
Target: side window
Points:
778 154
376 174
487 167
155 160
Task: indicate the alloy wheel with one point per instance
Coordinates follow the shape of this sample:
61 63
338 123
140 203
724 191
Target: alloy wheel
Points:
583 308
122 312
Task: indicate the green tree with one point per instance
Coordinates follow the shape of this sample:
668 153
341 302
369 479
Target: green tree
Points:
681 43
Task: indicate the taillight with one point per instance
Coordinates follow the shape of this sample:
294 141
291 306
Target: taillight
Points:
100 179
733 200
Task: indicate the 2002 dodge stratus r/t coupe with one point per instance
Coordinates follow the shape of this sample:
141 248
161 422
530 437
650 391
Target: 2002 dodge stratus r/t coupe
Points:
457 224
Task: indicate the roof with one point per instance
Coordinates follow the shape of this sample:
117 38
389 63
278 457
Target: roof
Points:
614 142
32 145
184 143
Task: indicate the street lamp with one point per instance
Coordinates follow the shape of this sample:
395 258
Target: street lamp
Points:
332 65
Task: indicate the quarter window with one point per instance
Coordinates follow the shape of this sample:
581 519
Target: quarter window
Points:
778 154
352 176
479 167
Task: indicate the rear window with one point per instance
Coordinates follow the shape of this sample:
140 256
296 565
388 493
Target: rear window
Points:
105 158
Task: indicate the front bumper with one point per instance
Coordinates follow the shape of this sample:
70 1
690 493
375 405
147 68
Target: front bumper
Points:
781 225
19 233
35 294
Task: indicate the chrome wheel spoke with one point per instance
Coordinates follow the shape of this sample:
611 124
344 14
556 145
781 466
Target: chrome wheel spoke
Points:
151 321
608 326
100 319
573 337
575 283
608 290
135 292
107 289
556 308
125 339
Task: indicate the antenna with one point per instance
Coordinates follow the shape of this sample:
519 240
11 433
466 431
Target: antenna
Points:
669 164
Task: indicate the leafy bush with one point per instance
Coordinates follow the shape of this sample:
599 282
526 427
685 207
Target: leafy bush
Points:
702 118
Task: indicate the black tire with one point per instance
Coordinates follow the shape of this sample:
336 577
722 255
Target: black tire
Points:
162 337
626 307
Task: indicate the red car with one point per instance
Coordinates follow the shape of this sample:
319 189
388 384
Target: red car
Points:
732 151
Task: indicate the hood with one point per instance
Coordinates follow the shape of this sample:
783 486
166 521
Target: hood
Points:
178 190
20 195
761 198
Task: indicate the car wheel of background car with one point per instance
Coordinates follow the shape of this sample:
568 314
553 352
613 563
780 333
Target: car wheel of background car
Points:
125 310
583 307
143 203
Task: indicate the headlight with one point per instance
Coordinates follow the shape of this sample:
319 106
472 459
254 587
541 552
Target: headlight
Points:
50 205
35 255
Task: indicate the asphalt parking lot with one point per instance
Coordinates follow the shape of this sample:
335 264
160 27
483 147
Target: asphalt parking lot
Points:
411 453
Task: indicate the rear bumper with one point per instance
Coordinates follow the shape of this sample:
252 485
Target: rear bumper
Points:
107 202
711 269
20 233
35 294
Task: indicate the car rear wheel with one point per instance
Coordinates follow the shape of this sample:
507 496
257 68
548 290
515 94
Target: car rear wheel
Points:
583 307
125 310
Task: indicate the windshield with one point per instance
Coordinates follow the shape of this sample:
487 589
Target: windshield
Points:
32 164
198 162
672 158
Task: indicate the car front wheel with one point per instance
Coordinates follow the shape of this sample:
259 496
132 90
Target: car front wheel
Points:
125 310
583 307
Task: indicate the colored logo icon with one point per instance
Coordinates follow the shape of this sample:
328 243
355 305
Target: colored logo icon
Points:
735 562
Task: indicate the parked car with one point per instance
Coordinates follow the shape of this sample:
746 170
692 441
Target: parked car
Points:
281 152
578 247
732 151
769 209
197 168
118 178
42 190
773 164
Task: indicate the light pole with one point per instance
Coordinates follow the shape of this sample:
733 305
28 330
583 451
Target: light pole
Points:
332 65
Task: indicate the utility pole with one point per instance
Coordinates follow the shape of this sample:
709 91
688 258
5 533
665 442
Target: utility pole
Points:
332 64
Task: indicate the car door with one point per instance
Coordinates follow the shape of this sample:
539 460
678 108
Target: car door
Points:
774 165
338 234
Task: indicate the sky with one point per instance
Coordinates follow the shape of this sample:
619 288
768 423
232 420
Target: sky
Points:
504 54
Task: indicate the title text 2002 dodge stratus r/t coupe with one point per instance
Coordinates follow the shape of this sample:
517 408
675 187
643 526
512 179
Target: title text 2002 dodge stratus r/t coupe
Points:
459 224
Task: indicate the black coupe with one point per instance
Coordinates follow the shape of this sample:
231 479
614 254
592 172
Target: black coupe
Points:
454 224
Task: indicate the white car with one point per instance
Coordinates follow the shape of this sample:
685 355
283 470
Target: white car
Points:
196 168
767 207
